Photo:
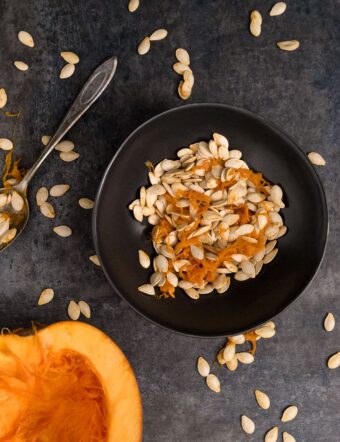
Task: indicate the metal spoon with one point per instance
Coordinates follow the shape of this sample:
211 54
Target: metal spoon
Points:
14 219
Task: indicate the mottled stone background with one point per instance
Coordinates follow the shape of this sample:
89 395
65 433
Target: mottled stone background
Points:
298 91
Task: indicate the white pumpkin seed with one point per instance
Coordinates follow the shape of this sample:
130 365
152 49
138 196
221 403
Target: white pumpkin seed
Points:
147 289
26 39
6 144
237 339
138 213
248 268
47 210
161 263
220 140
316 159
287 437
255 23
248 425
192 293
65 146
232 364
289 45
70 57
41 195
21 66
289 413
265 332
46 296
67 71
3 98
4 227
172 279
329 322
69 156
86 203
8 236
182 56
272 435
241 276
95 260
229 351
278 9
59 190
197 252
180 68
262 399
17 201
245 357
334 361
144 259
84 309
144 46
63 231
203 367
159 34
213 383
73 310
184 94
45 139
133 5
270 256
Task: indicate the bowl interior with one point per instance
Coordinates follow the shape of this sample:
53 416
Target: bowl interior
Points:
265 148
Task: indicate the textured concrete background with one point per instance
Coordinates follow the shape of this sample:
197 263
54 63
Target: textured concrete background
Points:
297 91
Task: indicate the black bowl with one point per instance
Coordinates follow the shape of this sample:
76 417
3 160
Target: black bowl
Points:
246 304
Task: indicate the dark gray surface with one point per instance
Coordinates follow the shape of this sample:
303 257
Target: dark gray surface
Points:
298 91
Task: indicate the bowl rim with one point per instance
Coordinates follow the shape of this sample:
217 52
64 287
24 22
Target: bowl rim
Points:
272 126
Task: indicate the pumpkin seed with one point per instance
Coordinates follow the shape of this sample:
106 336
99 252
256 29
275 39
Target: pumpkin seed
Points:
144 46
4 227
182 56
220 140
329 322
316 159
3 98
47 210
133 5
69 57
159 34
41 195
272 435
86 203
59 190
203 367
270 256
232 364
45 139
265 332
22 66
65 146
84 309
144 259
17 201
69 156
46 296
255 23
63 231
73 310
172 279
213 383
241 276
278 9
289 45
67 71
289 413
237 339
180 68
286 437
8 236
245 357
184 94
197 252
161 263
262 399
95 260
147 289
247 424
26 39
6 144
192 293
138 213
334 361
229 351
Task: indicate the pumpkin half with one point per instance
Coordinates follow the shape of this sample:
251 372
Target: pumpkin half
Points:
68 382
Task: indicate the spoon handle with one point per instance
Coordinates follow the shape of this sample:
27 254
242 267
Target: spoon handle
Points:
92 89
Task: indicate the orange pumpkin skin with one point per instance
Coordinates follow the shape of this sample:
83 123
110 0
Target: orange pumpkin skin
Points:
64 380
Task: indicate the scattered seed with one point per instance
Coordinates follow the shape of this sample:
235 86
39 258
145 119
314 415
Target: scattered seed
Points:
159 34
148 289
229 351
46 296
334 361
67 71
59 190
86 203
232 364
255 23
278 9
265 332
289 413
272 435
17 201
183 94
262 399
21 65
289 45
133 5
286 437
213 383
248 425
73 310
45 139
70 57
3 98
26 39
63 231
203 367
180 68
329 322
8 236
41 195
65 146
316 159
245 357
144 259
95 260
144 46
238 339
84 309
182 56
6 144
138 213
47 210
69 156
